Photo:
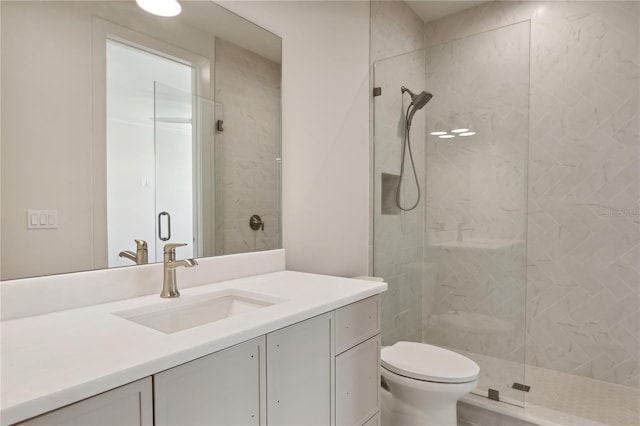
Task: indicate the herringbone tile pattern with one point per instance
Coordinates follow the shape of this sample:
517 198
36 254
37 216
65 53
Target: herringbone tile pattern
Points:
583 234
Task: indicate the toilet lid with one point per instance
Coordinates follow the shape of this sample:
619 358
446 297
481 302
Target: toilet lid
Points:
427 362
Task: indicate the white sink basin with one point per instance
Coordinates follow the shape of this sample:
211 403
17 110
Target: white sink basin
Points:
192 311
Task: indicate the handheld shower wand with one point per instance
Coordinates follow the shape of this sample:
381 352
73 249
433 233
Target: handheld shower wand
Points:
417 103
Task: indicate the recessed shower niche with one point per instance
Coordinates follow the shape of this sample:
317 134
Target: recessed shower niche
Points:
389 186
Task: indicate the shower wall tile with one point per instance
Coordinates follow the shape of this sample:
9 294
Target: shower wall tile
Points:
583 280
395 29
248 91
591 78
486 17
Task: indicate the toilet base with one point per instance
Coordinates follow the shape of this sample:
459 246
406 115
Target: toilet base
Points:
410 402
396 413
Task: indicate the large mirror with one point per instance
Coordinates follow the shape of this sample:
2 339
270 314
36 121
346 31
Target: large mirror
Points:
118 125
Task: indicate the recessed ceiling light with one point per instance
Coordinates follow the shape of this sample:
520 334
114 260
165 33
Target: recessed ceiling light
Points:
467 134
160 7
447 136
459 130
438 133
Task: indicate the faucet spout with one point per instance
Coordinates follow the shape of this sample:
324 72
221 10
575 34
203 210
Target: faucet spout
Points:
187 263
128 255
170 284
140 257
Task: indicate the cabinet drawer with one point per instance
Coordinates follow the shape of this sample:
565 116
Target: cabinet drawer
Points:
358 383
356 323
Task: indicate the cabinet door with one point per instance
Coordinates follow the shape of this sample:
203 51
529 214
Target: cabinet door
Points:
127 405
224 388
358 383
300 366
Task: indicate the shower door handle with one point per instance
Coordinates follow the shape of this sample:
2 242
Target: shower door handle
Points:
168 237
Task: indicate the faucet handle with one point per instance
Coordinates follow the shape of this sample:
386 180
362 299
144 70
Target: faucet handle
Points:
171 247
141 244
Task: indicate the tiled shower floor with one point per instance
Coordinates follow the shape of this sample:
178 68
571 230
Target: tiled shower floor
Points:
560 398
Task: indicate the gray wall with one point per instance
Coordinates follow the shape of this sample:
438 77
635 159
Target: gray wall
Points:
248 90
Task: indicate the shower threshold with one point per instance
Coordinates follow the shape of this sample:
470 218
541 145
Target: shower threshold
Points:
475 410
555 398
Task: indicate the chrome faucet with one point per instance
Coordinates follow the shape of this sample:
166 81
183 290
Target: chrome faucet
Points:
141 256
169 283
460 229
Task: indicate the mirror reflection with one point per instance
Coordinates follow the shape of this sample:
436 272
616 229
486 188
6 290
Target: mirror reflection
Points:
123 131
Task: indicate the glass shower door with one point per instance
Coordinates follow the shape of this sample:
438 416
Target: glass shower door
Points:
188 163
176 177
476 207
398 234
469 230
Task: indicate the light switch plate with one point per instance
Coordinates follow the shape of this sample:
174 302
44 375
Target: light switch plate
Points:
42 219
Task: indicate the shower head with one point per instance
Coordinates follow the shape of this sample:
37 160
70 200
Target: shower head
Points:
421 99
417 102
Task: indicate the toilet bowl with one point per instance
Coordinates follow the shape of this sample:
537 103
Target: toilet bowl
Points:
422 384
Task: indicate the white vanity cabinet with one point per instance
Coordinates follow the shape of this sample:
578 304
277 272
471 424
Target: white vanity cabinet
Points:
299 373
321 371
225 388
357 363
287 374
127 405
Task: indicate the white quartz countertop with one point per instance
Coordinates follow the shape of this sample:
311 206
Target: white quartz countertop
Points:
52 360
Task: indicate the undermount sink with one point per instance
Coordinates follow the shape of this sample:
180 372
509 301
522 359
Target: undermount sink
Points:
191 311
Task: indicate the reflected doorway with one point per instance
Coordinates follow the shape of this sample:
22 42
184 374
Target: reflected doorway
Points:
151 148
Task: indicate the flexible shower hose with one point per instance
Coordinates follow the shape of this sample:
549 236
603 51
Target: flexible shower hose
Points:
406 144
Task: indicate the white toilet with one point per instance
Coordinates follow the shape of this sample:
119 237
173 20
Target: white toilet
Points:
422 384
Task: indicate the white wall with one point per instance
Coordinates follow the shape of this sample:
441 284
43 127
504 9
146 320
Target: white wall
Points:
325 134
51 165
49 175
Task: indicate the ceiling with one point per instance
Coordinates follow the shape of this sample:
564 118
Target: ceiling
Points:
430 10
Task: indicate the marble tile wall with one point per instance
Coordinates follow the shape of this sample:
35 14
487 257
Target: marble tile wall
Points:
395 29
248 89
398 237
583 277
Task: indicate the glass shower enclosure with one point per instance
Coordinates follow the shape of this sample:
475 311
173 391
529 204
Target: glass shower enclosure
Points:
456 264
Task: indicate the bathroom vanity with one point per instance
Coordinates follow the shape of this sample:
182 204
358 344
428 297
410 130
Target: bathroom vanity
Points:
286 348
